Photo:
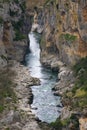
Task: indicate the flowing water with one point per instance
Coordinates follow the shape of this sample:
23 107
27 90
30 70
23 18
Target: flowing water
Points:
44 104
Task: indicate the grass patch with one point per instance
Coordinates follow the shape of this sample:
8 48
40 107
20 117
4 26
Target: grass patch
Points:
1 108
80 93
68 37
77 98
80 89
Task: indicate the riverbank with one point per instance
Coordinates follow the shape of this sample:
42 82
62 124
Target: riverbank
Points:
19 115
74 113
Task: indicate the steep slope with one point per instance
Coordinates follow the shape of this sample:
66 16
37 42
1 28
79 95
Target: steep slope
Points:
15 24
63 24
64 29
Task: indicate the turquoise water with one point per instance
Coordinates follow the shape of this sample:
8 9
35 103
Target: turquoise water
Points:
44 104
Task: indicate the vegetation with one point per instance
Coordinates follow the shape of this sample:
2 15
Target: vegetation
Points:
78 95
16 1
77 98
12 13
80 89
68 37
49 1
19 36
67 5
80 70
6 84
18 33
23 7
59 124
1 20
3 57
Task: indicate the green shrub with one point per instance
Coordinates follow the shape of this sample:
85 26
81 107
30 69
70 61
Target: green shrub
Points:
1 20
7 128
12 13
16 1
23 7
19 36
81 64
18 25
75 121
57 125
3 57
18 30
80 70
80 88
68 37
1 108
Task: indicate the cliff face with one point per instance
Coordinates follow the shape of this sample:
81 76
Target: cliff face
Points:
32 4
15 23
64 29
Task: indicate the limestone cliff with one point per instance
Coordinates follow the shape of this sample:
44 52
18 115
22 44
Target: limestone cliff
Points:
64 29
15 23
63 24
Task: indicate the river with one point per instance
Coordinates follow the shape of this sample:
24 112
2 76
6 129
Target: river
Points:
44 104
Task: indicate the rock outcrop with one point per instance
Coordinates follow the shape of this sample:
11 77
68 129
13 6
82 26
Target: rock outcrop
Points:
63 43
16 97
15 23
64 30
63 24
19 115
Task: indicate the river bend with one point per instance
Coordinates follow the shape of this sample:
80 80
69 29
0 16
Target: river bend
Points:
44 104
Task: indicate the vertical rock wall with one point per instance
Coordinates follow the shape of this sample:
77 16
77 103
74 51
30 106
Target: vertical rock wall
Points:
15 24
64 29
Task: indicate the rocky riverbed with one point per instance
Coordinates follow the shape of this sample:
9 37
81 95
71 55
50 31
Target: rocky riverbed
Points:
20 117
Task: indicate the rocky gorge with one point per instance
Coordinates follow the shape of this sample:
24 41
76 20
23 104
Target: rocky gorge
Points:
15 80
63 48
63 45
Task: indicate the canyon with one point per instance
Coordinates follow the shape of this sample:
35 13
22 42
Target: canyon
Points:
63 48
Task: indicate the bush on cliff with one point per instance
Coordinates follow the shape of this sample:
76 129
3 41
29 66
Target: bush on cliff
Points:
78 95
66 123
80 70
80 89
68 37
18 30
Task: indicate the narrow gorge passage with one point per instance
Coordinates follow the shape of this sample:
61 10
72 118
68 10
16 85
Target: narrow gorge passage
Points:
44 103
